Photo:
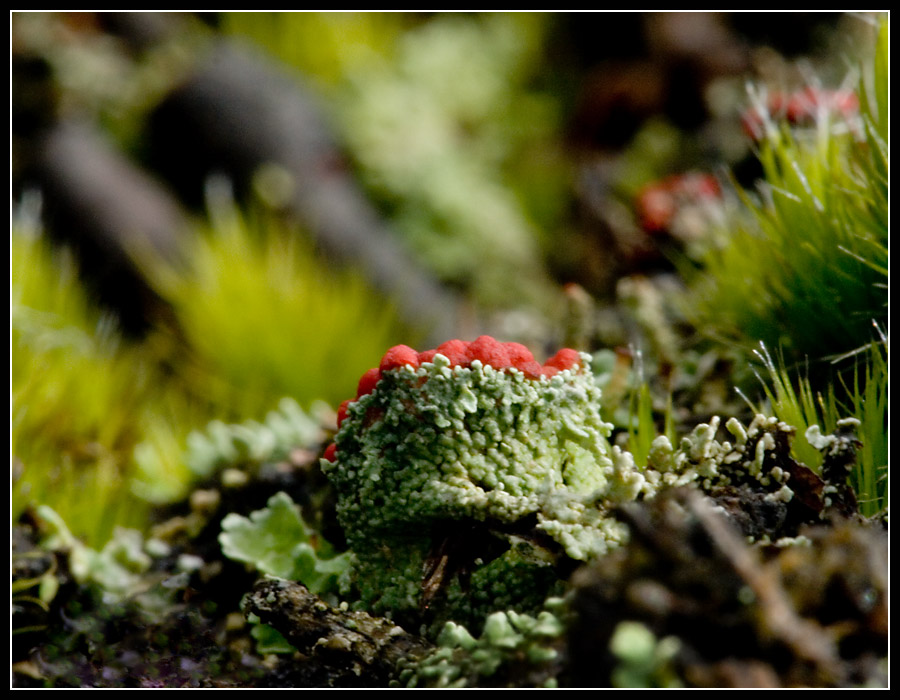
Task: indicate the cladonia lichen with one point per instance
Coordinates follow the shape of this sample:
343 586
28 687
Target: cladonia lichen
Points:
465 474
508 641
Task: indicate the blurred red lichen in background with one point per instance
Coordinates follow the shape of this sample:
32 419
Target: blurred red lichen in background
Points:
659 202
802 108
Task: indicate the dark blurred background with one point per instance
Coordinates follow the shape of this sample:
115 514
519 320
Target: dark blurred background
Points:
470 165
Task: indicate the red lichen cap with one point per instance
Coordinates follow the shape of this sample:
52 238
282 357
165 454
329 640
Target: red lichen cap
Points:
342 411
804 105
532 369
567 358
330 453
368 381
489 352
398 356
799 108
656 208
485 349
521 358
659 202
457 351
426 356
518 354
699 186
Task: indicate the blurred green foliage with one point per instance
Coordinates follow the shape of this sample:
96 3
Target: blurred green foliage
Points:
643 660
79 395
222 446
441 118
99 425
261 316
507 641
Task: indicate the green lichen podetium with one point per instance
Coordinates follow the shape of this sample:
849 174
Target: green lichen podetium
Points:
460 487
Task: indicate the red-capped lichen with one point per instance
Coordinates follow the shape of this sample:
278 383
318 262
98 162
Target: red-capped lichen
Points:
658 203
474 436
488 351
801 108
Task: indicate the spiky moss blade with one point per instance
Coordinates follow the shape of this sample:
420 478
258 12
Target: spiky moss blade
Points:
805 271
81 396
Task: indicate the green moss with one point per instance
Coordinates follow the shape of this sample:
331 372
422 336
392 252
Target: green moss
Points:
82 398
806 270
257 302
863 398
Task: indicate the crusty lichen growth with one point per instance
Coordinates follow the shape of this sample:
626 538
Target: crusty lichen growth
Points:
754 476
514 650
478 462
701 457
